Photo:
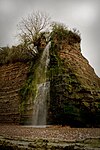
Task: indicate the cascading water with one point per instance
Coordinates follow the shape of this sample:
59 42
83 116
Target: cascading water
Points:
43 86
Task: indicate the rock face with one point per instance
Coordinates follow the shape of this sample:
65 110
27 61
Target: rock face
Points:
74 87
12 78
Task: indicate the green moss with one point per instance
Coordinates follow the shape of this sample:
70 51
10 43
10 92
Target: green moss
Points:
63 84
36 75
68 95
29 89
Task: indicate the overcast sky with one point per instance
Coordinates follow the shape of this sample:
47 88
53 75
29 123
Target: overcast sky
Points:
81 14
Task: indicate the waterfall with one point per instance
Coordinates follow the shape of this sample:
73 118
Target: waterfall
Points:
43 87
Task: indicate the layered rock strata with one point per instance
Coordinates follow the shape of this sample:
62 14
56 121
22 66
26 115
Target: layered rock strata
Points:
75 88
12 78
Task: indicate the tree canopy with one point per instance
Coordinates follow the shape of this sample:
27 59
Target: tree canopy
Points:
31 27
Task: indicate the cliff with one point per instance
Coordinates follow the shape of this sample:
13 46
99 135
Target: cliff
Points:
12 78
75 88
74 97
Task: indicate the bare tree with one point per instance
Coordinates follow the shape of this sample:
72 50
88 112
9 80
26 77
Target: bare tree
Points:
31 27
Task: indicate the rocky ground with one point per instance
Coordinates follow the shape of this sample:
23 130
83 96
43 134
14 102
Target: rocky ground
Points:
56 134
49 132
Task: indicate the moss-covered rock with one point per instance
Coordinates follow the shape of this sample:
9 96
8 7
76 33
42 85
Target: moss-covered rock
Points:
74 87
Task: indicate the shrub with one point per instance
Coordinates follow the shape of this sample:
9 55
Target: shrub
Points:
61 32
15 54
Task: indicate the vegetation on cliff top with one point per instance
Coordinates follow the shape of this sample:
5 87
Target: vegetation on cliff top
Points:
61 33
35 31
